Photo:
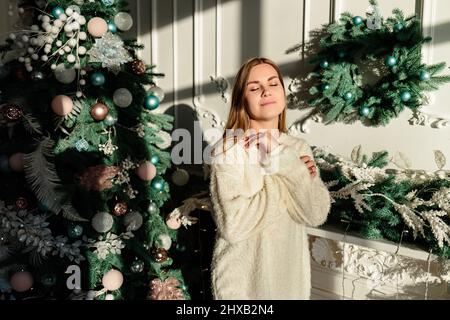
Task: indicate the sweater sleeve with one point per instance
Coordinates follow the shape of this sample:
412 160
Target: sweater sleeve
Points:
308 201
245 201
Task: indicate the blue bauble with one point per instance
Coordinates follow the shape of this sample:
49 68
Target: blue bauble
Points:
324 64
43 207
341 54
348 96
158 184
75 230
398 27
108 3
424 75
324 86
390 61
357 20
57 11
154 160
405 96
4 163
364 111
98 79
112 27
110 120
48 279
4 71
151 102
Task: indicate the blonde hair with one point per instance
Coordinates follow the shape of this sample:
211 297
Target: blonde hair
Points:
238 117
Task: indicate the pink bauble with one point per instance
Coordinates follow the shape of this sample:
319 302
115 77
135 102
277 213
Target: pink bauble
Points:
146 171
21 281
112 280
97 27
173 223
16 162
62 105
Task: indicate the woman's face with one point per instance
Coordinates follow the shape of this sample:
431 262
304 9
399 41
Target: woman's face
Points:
264 94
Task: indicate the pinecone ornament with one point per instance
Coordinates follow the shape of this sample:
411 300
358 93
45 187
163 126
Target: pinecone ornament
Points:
138 67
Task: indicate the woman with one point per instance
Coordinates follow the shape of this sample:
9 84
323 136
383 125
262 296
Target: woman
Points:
264 189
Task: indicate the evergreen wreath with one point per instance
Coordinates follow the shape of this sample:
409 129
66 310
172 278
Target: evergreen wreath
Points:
393 48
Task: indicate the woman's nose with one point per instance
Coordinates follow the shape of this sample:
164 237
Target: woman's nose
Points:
266 92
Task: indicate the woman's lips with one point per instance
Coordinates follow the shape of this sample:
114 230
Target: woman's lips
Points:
267 103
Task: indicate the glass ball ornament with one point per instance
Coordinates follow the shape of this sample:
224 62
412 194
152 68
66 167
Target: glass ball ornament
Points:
391 61
424 75
102 222
154 159
137 266
98 79
158 183
398 27
152 208
341 54
112 280
151 102
64 75
364 111
165 241
180 177
57 11
123 21
74 230
324 86
21 281
108 3
133 221
348 96
112 27
4 71
4 163
62 105
110 120
48 279
405 96
122 98
157 92
324 64
357 21
37 76
99 111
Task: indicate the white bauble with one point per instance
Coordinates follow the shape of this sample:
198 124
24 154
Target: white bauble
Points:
123 21
122 98
133 221
166 241
102 222
167 140
64 75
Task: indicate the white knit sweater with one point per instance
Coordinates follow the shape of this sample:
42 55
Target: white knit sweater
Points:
261 249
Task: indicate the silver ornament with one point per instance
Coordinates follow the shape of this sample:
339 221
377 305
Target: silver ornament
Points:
122 98
166 140
180 177
123 21
64 75
102 222
137 266
133 221
157 92
165 241
152 208
37 76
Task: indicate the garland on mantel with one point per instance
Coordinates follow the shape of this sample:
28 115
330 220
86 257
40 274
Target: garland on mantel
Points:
397 205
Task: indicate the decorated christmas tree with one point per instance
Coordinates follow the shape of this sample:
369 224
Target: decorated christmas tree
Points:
83 157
